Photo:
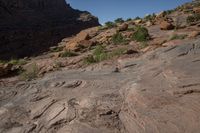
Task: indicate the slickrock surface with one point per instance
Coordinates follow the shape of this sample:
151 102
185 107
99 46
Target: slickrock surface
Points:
31 27
156 93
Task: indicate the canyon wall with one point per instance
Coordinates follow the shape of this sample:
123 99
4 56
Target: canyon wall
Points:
30 27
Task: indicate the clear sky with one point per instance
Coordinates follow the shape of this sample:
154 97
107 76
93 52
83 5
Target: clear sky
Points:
109 10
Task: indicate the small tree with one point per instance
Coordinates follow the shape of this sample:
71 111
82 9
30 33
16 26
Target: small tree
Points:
119 20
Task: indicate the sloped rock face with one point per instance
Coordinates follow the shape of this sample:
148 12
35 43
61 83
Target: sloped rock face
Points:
31 27
156 93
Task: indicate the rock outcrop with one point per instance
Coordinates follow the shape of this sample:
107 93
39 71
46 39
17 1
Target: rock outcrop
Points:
31 27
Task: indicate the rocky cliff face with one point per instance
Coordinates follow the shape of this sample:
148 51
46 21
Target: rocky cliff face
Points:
31 27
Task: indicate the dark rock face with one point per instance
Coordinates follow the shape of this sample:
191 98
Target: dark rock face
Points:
30 27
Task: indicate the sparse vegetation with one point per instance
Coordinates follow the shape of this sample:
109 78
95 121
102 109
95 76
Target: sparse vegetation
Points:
128 19
150 17
56 49
176 36
141 34
118 38
119 20
68 54
14 62
17 62
168 12
110 24
100 54
136 18
31 73
193 18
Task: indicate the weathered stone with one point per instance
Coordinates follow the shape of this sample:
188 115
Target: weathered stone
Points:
123 27
194 34
196 9
164 25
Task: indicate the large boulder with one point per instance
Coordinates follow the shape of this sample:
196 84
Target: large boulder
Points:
82 40
123 27
165 25
30 27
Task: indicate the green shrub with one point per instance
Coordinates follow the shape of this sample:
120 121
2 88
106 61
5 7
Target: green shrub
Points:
31 73
119 20
56 49
14 62
68 54
141 34
136 18
118 38
193 18
99 54
128 19
17 62
110 24
176 36
168 12
150 17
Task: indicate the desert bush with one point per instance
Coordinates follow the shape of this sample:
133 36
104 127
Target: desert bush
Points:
128 19
118 38
150 17
31 73
14 62
110 24
68 54
141 34
99 54
193 18
56 49
136 18
17 62
119 20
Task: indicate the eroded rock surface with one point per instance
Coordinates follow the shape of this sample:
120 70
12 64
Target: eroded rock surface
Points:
156 93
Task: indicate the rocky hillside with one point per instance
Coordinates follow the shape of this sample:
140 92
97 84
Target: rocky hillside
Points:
139 75
31 27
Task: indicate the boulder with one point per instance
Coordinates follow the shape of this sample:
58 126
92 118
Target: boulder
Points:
123 27
149 23
165 25
194 34
80 41
196 10
138 21
74 43
5 69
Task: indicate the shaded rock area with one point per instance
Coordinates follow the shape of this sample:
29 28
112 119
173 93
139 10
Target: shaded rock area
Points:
157 92
28 28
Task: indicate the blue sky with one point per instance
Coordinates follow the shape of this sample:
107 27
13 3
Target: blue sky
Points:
109 10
